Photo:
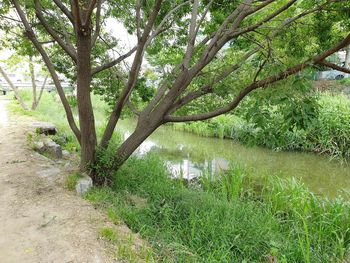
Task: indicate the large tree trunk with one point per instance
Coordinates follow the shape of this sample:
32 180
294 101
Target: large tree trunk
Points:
86 115
143 130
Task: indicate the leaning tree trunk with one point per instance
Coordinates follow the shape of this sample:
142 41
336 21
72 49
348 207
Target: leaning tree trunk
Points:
14 88
86 115
32 76
144 129
41 93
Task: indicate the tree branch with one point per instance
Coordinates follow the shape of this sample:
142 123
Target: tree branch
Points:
14 88
334 66
66 47
31 36
114 62
64 9
134 72
260 84
191 35
98 24
89 11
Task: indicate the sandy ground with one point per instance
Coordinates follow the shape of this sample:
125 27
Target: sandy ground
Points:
41 221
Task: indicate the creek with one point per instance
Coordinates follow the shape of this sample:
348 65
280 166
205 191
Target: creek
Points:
188 155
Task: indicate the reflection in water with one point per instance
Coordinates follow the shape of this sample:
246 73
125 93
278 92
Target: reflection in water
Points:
189 171
3 112
187 155
182 168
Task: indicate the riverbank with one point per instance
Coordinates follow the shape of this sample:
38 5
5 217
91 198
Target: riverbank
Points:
323 129
232 217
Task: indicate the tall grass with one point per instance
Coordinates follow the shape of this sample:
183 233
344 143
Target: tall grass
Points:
229 219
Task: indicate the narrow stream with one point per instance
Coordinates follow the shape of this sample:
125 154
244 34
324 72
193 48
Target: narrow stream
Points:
190 154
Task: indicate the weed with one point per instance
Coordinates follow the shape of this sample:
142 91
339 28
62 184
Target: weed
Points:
72 180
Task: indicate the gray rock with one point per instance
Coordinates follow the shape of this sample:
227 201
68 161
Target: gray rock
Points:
49 172
83 185
39 146
45 128
52 148
65 153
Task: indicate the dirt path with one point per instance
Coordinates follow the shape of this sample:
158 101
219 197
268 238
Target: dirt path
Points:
40 221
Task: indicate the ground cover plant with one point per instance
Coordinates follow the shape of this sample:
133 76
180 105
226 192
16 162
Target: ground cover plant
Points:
228 219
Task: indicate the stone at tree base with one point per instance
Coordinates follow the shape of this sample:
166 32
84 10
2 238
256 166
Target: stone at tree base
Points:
45 128
83 184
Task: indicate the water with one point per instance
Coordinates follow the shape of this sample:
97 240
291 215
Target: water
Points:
189 154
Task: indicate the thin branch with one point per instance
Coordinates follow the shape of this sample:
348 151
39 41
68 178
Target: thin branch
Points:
76 14
209 88
114 62
138 19
134 72
159 28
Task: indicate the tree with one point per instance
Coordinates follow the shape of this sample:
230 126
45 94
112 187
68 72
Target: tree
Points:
25 56
209 42
14 88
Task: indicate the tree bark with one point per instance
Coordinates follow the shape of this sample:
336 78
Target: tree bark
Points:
86 114
144 128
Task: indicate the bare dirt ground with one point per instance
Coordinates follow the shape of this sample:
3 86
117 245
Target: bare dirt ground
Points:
41 221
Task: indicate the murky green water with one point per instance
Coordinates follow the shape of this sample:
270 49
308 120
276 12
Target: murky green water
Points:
189 154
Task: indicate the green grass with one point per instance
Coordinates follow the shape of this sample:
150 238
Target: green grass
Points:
125 245
228 219
72 180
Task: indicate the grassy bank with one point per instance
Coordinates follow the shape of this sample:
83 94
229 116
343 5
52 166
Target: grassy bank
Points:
230 219
323 128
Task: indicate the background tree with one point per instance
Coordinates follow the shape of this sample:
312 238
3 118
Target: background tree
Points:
23 56
208 50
